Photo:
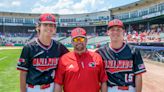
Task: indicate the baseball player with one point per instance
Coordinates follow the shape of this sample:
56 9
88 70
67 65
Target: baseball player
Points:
124 65
80 70
39 58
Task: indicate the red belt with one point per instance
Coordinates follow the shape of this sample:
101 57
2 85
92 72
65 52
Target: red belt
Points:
43 86
122 87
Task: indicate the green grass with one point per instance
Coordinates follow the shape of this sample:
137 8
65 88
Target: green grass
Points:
9 76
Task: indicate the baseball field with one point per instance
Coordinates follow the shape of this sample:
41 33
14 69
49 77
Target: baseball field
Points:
153 79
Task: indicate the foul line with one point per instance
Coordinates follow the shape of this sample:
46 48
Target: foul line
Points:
3 58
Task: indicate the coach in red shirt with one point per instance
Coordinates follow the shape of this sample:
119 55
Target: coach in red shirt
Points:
80 70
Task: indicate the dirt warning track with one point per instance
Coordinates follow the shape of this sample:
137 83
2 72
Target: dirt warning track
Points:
153 79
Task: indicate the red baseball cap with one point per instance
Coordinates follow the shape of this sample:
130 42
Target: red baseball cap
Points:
115 22
47 18
78 32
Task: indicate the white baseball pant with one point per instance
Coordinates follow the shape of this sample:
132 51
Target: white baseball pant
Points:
38 89
116 89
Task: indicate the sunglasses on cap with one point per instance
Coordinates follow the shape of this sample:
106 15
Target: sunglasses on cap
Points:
78 39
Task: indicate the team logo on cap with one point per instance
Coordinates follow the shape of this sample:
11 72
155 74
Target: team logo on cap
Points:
49 17
78 31
115 22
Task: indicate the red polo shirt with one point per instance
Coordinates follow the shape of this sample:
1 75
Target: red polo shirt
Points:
81 73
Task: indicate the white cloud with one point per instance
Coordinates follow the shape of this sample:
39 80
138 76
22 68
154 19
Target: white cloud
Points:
15 3
2 5
64 11
70 6
63 4
91 2
10 3
42 9
45 1
60 7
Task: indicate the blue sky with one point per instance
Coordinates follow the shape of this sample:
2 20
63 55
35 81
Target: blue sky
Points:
60 6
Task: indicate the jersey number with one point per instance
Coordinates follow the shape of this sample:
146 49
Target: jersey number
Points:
129 77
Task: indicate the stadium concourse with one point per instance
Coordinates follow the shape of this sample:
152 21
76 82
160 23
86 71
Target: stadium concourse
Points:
144 29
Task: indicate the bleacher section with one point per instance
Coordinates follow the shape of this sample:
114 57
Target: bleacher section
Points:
91 40
99 39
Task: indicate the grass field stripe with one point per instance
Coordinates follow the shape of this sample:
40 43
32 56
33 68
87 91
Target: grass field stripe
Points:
3 58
